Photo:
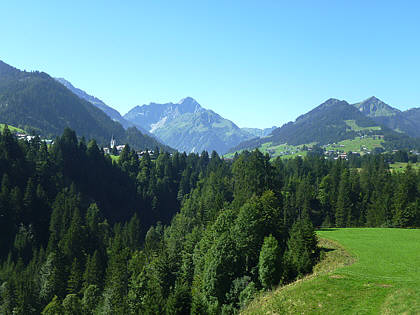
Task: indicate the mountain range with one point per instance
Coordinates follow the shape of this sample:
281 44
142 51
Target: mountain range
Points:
187 126
337 120
35 101
407 122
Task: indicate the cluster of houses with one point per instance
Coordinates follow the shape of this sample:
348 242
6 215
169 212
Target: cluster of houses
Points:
117 149
25 137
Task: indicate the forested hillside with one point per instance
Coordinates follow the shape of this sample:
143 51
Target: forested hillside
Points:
174 234
334 121
36 102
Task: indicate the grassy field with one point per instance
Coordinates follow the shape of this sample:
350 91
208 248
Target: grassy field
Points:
378 274
401 166
353 126
11 128
283 150
357 144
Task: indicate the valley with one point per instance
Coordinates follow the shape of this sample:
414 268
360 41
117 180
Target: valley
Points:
209 157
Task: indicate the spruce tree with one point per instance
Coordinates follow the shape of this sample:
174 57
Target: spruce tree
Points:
269 265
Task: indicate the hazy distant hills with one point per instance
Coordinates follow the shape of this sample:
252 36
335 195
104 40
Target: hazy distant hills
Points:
34 100
336 120
187 126
257 132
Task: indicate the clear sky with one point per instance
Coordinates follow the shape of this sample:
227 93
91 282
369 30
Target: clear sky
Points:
258 63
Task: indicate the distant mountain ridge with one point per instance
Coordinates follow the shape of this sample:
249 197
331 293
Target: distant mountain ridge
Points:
336 120
154 115
407 122
34 100
187 126
374 107
111 112
257 132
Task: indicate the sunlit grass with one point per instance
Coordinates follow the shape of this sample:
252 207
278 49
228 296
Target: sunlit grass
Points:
401 166
11 128
384 278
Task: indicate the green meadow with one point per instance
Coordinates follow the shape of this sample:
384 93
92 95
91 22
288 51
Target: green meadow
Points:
357 144
363 271
401 166
11 128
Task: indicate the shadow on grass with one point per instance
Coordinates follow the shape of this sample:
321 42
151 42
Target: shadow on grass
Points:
325 249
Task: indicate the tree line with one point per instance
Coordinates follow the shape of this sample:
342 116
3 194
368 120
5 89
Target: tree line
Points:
174 233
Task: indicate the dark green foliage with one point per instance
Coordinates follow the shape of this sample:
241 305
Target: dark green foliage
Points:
54 307
179 301
269 264
53 277
74 283
72 305
221 267
90 299
174 234
302 250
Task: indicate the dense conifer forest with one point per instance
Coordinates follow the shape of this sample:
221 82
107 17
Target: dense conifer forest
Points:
174 233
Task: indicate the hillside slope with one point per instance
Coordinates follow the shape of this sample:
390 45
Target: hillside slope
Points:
34 100
111 112
331 122
327 123
187 126
385 279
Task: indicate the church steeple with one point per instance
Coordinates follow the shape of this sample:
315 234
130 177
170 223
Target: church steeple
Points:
112 145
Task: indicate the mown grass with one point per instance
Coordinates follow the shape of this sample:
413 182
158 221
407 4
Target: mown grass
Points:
378 274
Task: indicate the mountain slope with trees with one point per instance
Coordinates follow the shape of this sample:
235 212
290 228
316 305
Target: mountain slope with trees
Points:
35 101
111 112
332 122
174 234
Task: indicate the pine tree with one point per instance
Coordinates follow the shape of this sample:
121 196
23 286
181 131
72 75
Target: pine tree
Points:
94 271
269 265
72 305
302 250
74 283
74 239
90 300
343 201
53 308
53 277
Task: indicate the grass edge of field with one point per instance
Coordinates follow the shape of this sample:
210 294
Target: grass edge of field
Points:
333 257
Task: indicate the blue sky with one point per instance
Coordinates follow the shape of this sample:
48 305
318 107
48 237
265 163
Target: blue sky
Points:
258 63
